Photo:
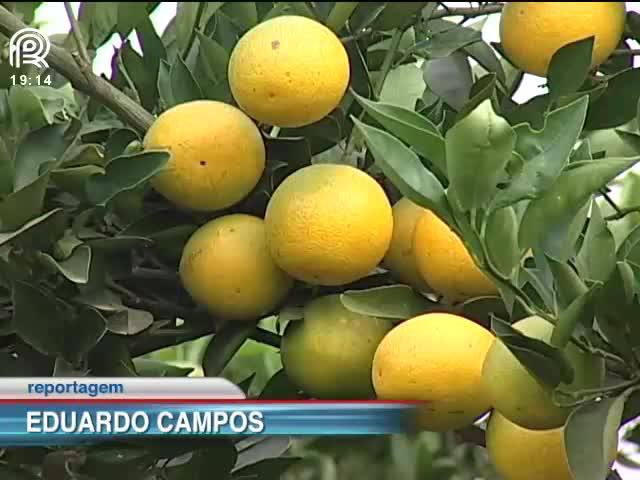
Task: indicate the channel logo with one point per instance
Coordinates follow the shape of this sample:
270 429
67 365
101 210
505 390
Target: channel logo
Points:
29 46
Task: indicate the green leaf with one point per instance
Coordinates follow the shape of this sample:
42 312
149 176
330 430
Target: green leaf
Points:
269 469
35 227
403 86
212 62
24 204
545 153
184 86
104 300
339 15
279 387
590 436
484 140
223 346
255 449
111 358
597 256
35 152
97 20
140 74
481 309
130 15
51 327
154 368
483 89
411 127
205 464
164 85
450 78
396 14
559 241
534 278
360 77
121 461
482 53
501 239
63 368
567 195
446 38
547 363
569 67
10 472
170 243
186 22
118 244
569 285
129 321
365 14
406 172
124 173
580 312
389 301
23 10
618 104
118 142
614 322
7 169
29 109
243 14
75 268
73 179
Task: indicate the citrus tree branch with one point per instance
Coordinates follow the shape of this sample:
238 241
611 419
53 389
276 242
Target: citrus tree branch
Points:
77 34
85 80
623 212
632 52
468 12
143 343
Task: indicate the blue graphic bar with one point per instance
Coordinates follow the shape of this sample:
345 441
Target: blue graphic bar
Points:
44 422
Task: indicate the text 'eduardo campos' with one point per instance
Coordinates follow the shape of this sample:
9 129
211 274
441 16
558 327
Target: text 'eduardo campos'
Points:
116 422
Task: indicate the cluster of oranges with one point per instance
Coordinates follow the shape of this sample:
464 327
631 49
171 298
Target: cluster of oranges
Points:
333 224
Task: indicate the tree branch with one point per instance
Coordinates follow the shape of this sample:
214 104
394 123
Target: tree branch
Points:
622 212
469 12
623 52
99 88
143 344
77 34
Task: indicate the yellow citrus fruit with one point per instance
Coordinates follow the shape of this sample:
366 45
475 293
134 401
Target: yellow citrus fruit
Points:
329 224
435 358
400 258
444 262
518 395
226 267
289 71
531 32
329 353
521 454
217 155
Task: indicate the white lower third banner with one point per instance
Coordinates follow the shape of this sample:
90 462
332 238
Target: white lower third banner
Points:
48 411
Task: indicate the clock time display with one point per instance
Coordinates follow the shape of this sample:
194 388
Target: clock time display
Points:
29 81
